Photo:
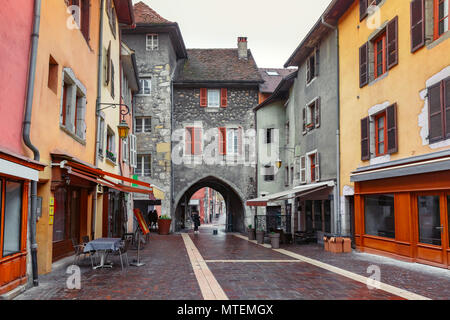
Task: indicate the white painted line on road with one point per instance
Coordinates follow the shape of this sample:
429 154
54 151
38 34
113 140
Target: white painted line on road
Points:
351 275
210 288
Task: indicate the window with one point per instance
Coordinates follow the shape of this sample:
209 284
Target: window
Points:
379 216
213 98
269 135
380 55
143 124
429 21
310 168
73 105
152 42
311 116
441 14
146 87
144 165
439 111
269 173
430 224
82 16
312 162
232 141
287 133
110 145
286 176
380 134
291 176
101 135
193 145
312 66
111 12
384 137
12 219
53 74
364 6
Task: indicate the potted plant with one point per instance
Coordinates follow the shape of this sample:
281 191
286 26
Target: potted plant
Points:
164 222
251 232
275 240
260 236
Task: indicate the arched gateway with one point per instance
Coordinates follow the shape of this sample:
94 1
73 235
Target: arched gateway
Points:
235 209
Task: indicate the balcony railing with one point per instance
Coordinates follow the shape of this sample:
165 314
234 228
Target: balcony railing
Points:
270 223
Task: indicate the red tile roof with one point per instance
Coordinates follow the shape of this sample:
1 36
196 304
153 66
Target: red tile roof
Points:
146 15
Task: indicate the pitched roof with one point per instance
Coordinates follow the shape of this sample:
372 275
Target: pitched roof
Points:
146 15
271 82
218 65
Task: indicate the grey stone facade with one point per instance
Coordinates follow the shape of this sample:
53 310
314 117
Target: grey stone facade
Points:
159 65
239 178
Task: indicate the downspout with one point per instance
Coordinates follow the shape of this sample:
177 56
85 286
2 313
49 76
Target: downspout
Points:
97 108
172 176
337 206
26 135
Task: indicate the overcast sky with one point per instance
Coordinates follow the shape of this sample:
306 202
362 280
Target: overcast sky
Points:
274 28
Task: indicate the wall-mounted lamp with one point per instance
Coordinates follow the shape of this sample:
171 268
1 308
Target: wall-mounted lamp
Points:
123 127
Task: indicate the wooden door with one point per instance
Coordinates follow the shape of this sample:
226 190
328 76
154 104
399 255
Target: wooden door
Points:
431 224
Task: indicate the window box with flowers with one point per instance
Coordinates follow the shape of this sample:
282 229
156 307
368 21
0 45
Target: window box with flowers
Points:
111 156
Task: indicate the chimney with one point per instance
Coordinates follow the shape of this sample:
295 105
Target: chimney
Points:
242 48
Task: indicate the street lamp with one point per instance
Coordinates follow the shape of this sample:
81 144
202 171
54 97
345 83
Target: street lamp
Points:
279 162
123 127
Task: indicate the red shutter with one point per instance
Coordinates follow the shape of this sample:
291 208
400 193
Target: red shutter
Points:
222 141
363 5
197 141
365 141
85 18
203 97
417 24
392 134
363 65
436 121
392 43
188 143
447 107
223 97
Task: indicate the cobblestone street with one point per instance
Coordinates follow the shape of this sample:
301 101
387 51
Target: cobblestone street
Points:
244 270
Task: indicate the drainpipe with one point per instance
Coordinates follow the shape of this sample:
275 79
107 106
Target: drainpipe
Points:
97 107
26 135
337 206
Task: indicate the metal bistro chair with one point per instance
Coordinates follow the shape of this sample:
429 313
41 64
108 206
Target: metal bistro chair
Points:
123 249
79 251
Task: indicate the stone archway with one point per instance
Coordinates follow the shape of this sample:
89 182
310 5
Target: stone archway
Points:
235 210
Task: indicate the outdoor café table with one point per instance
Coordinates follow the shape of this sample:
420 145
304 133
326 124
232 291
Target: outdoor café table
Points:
103 246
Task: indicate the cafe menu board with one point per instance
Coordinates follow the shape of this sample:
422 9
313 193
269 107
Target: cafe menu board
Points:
141 221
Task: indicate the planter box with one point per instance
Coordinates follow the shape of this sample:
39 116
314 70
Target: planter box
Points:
275 240
251 234
336 245
347 246
260 237
164 226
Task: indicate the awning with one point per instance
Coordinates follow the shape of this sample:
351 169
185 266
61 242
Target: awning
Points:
289 194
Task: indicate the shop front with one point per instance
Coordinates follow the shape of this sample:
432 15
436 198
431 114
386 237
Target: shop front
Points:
402 209
16 172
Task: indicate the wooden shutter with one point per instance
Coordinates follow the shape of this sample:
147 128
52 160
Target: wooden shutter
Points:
417 24
447 106
392 132
112 80
222 141
133 151
188 141
365 141
80 117
435 114
303 169
364 65
304 120
223 97
392 43
108 64
85 18
317 113
363 5
203 97
317 167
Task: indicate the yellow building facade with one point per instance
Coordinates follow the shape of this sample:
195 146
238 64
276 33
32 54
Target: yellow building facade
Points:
395 126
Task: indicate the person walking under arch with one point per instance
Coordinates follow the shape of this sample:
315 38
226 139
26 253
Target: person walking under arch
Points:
196 219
